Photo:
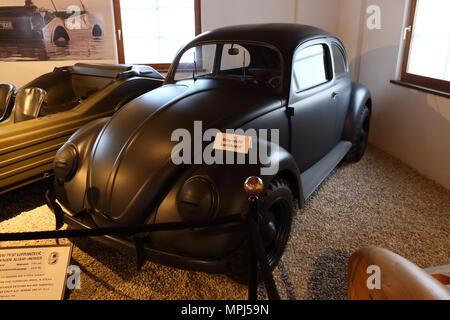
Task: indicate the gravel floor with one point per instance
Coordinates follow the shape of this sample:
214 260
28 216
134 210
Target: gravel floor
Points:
378 201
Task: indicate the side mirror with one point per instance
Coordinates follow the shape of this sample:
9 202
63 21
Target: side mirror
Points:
233 51
28 103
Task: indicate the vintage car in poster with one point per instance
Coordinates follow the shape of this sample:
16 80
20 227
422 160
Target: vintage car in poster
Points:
30 23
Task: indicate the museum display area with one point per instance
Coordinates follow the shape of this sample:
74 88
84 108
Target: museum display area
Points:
224 150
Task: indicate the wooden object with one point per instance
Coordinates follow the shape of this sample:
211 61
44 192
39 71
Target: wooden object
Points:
400 279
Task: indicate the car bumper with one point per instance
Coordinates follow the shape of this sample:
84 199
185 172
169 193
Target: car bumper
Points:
151 254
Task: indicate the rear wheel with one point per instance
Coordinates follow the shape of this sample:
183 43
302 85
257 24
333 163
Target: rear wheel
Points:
361 138
97 31
277 207
60 36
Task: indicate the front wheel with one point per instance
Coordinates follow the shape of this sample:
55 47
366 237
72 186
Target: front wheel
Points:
277 208
361 138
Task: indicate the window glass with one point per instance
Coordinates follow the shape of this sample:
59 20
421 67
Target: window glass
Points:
250 64
234 56
197 61
339 60
154 30
309 67
430 43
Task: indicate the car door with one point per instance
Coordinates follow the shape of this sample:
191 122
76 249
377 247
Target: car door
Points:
342 84
312 99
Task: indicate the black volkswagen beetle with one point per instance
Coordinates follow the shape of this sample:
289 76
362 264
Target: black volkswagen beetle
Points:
287 79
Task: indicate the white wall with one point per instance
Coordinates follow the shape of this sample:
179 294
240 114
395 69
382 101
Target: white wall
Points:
19 73
323 14
351 20
412 125
220 13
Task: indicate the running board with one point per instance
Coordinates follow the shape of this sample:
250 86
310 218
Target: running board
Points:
314 176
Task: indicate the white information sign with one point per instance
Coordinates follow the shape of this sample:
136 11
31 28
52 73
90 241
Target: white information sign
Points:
34 273
232 142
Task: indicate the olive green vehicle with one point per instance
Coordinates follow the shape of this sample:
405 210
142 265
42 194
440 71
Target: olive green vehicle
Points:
37 119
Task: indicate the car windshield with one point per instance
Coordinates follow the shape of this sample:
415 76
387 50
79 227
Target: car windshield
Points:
250 63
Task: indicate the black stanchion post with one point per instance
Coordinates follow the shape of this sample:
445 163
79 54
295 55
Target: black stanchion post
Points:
50 196
139 246
258 260
254 187
253 262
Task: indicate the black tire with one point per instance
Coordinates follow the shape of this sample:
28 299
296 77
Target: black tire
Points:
60 36
97 31
277 207
361 136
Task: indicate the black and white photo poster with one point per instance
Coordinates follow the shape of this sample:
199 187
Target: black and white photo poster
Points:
45 30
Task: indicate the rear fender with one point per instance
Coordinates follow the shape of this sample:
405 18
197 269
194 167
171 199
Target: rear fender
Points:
360 97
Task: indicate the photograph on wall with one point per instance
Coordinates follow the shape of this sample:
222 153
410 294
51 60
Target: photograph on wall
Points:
45 30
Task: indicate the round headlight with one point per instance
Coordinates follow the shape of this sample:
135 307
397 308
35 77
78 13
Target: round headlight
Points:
197 199
66 162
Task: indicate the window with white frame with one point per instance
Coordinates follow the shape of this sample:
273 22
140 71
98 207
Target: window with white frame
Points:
427 48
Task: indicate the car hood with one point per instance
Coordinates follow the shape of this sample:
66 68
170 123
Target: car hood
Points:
130 166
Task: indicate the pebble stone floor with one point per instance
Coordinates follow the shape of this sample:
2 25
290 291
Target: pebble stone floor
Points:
378 201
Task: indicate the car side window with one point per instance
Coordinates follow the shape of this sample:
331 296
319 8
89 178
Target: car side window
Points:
310 67
340 65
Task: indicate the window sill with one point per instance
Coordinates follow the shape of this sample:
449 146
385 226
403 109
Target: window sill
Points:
421 88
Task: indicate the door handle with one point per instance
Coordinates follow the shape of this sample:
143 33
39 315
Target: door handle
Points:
407 29
334 95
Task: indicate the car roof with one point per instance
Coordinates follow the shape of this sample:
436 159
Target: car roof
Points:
284 36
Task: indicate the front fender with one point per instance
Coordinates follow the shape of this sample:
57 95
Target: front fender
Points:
72 193
228 183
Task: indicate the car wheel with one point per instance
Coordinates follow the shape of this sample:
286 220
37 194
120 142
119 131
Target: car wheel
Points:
60 37
361 137
277 207
97 31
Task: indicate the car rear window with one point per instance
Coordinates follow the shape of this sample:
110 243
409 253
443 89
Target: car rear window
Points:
339 60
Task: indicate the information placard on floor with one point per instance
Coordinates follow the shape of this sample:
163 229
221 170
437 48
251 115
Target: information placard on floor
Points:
34 273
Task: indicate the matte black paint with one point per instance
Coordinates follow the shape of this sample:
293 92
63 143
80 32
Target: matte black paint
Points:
126 175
